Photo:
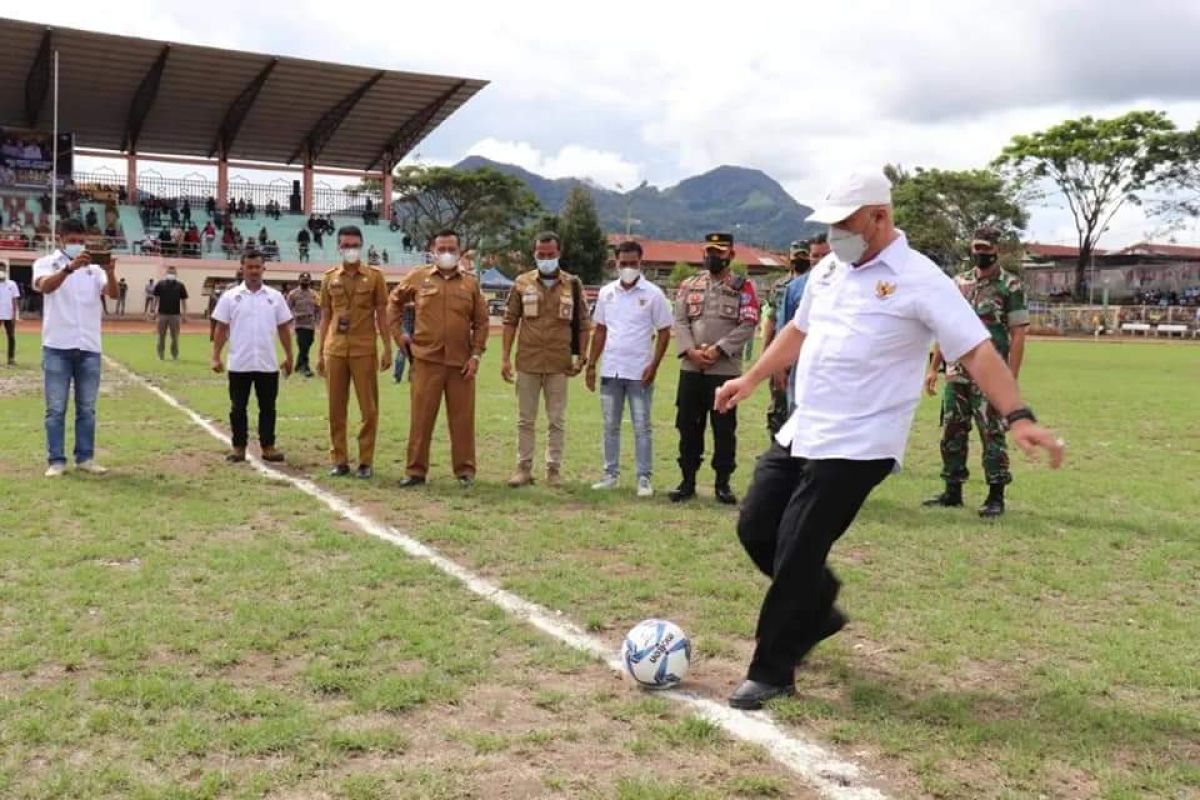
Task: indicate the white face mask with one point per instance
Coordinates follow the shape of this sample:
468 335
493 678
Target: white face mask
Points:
547 266
72 250
446 261
351 255
629 275
848 247
170 276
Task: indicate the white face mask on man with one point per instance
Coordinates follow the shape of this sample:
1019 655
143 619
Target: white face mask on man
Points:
629 275
73 250
351 255
446 261
547 266
848 247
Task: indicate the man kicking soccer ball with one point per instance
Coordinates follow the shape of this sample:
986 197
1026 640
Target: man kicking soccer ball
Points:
862 335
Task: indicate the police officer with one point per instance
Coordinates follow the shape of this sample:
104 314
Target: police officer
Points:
548 318
998 297
716 312
450 332
353 317
778 411
305 307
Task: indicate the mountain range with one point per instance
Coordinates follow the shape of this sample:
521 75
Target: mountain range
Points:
747 202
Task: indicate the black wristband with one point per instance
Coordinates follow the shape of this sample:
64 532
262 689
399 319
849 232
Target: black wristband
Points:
1024 412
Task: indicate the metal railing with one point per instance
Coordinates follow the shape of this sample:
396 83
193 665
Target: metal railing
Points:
1084 319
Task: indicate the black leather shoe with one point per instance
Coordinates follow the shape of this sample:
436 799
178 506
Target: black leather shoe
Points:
683 492
340 471
725 496
836 620
950 498
411 481
364 472
751 695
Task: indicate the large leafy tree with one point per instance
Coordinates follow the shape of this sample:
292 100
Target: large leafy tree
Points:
483 205
1099 166
940 210
585 247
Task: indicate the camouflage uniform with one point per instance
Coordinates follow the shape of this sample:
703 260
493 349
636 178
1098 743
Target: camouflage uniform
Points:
1000 303
780 408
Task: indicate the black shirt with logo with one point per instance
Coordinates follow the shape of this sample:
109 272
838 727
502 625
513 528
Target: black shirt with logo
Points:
169 294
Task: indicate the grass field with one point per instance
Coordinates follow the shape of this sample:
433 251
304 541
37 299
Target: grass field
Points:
182 628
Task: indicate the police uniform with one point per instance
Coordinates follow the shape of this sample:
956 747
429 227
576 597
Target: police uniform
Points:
710 311
305 307
450 327
999 301
552 323
349 301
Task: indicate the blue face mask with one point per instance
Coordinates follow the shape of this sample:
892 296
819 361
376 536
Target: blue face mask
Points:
547 266
72 250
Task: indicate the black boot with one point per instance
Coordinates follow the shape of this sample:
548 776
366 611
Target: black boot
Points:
724 494
950 498
994 506
686 489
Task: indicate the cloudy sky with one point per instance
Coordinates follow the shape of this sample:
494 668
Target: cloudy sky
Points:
622 92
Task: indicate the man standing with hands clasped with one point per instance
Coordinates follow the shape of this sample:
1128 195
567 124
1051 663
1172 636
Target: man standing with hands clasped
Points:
250 316
548 319
862 334
353 317
633 330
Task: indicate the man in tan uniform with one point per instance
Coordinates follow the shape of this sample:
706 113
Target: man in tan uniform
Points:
353 313
548 317
450 332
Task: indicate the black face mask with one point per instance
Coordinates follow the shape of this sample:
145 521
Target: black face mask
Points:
984 260
304 284
714 263
800 265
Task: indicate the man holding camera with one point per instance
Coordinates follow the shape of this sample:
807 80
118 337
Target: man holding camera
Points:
72 286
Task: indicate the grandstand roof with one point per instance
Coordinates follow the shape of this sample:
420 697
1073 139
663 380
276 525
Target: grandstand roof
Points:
131 94
669 252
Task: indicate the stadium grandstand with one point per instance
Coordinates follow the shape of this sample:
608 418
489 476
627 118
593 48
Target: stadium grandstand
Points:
226 115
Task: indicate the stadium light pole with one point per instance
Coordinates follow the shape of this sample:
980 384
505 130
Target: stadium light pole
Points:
54 166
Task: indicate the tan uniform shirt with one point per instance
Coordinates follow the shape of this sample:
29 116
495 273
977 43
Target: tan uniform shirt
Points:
451 322
354 298
545 318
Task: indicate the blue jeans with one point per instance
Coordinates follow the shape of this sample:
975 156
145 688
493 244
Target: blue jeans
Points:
398 364
61 368
613 393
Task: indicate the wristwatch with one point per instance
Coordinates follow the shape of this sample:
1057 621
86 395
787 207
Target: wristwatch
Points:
1024 412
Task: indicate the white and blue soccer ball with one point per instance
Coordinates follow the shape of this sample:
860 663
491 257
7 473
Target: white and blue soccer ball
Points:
657 653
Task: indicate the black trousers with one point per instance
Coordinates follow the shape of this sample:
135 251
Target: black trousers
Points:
694 407
793 512
266 389
10 331
304 342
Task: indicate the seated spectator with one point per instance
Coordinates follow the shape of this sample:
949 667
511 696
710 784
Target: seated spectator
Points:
90 220
262 235
149 244
192 240
372 256
210 236
385 256
228 242
250 209
241 207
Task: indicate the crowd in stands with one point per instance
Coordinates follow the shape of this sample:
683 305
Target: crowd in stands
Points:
1159 297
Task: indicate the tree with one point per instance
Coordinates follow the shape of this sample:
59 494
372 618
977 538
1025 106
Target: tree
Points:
1099 165
680 273
482 204
585 247
940 210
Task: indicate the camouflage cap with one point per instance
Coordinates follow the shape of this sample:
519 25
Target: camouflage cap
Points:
988 234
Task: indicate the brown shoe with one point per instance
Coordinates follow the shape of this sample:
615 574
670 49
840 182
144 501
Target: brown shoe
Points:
522 477
272 455
553 477
237 456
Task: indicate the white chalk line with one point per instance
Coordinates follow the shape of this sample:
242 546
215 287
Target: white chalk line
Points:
831 775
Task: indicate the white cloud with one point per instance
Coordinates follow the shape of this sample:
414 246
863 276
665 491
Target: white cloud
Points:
571 161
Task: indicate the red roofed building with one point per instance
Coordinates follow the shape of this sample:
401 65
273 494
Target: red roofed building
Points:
659 257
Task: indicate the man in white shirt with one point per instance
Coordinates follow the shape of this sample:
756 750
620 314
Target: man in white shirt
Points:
250 316
862 333
72 287
631 314
10 312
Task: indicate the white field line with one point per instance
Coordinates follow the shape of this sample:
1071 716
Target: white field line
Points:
831 775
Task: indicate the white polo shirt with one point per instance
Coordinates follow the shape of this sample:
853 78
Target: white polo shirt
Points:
632 317
9 291
71 313
253 319
861 368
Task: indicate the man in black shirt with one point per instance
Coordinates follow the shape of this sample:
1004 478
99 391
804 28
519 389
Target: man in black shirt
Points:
172 308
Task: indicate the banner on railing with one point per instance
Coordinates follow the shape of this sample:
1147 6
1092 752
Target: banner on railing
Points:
27 157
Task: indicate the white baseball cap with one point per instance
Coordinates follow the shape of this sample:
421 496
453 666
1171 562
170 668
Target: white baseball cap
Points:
850 193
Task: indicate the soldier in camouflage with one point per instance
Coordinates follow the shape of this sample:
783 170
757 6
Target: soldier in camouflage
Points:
999 299
779 411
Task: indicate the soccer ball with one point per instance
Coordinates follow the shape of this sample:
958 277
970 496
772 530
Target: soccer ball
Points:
657 653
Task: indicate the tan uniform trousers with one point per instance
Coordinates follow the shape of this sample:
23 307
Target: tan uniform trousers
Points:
530 389
340 372
430 382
